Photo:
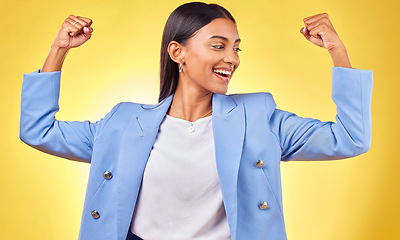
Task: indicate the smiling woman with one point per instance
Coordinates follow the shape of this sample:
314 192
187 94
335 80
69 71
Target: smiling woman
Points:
200 164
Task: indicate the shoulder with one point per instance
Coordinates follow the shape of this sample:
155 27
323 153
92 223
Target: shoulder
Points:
124 109
252 97
256 101
132 108
128 106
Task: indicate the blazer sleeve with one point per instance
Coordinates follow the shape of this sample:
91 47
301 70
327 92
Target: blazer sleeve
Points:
39 127
311 139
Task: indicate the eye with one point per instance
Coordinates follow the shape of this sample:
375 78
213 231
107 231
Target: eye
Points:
237 49
218 46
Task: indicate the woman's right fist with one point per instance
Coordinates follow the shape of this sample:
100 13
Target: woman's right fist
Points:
74 32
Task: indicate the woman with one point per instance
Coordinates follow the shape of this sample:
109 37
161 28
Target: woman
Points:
200 164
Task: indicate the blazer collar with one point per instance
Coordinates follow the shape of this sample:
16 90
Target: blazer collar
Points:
153 115
223 104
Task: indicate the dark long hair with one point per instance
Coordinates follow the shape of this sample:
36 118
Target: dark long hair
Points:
183 22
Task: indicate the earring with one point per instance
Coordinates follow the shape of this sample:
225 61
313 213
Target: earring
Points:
180 66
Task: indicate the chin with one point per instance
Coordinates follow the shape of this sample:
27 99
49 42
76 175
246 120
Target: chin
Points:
221 91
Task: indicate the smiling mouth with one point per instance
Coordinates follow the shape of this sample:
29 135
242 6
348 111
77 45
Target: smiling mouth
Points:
223 74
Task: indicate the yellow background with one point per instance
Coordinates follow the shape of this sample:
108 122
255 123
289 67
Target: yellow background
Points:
42 196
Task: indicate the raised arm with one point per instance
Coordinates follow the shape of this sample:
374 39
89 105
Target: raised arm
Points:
311 139
39 101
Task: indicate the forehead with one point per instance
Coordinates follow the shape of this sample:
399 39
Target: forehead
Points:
218 27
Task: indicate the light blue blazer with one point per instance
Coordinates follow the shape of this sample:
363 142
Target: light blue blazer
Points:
246 128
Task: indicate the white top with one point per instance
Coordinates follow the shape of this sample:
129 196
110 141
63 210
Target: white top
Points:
180 196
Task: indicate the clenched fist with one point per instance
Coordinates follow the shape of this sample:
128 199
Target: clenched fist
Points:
74 32
319 30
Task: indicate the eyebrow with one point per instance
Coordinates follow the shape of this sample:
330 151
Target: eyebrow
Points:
224 38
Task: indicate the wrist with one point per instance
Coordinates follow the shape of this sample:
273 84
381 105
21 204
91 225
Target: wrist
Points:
339 56
339 48
58 51
55 59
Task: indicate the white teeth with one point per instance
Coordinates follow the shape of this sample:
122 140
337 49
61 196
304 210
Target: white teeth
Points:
222 71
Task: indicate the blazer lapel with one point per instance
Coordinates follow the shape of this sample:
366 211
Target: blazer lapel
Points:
137 142
229 130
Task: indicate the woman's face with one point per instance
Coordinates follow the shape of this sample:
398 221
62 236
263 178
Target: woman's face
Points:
211 56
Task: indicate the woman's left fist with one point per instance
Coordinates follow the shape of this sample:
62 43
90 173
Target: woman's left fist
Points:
319 30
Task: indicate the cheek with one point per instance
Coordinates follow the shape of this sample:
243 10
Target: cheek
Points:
204 56
201 63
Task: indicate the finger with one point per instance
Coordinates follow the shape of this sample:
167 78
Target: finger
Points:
315 40
72 28
78 22
83 37
313 25
322 23
311 19
87 20
317 22
317 32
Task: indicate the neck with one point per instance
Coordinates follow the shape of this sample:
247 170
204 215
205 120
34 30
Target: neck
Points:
190 103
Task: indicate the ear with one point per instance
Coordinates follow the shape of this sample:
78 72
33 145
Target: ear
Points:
176 51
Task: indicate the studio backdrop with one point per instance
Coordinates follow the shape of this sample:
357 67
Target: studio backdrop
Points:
353 199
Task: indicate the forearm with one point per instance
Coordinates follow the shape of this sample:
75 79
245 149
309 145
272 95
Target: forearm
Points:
340 57
55 59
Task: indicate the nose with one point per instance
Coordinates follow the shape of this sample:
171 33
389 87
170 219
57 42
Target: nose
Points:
232 58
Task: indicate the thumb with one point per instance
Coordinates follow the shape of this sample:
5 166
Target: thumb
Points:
305 33
82 37
87 31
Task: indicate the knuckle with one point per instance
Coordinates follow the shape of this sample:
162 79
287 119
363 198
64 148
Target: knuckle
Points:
65 24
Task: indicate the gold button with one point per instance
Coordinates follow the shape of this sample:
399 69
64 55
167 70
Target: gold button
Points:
260 163
263 205
107 175
95 214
